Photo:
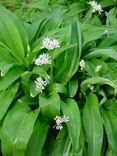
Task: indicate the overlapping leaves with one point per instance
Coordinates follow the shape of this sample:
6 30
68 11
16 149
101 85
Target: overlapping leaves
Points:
85 95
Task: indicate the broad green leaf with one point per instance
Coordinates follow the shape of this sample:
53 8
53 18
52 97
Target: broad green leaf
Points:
73 87
106 3
13 74
25 80
37 139
41 5
6 97
17 129
110 152
4 68
72 56
110 124
57 88
111 17
111 105
6 56
34 29
93 125
82 142
107 53
20 26
75 9
96 80
49 105
109 41
62 144
54 22
10 36
70 109
61 50
39 71
91 33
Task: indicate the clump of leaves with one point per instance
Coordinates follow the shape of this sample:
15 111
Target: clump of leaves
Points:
58 81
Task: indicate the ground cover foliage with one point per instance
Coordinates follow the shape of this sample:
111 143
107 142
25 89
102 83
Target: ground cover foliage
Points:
58 83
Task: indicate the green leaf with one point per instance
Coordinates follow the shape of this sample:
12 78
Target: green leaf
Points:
91 33
6 56
104 98
6 97
107 53
54 22
41 5
70 109
49 105
111 17
32 87
93 125
13 74
61 50
72 56
75 9
37 139
34 28
96 80
57 88
10 36
110 124
110 152
73 87
17 129
4 68
82 142
62 144
106 3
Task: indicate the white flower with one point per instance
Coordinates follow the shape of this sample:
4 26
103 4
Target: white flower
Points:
43 59
65 119
41 84
59 120
47 79
50 44
19 100
55 43
97 69
95 6
106 31
82 64
90 87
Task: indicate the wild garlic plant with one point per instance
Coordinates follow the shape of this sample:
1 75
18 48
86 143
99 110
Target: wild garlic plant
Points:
58 80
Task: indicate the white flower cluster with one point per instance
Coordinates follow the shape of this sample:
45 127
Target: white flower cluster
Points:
41 83
50 44
95 6
43 59
59 120
82 64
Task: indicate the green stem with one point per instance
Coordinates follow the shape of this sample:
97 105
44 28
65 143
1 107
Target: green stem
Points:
51 67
